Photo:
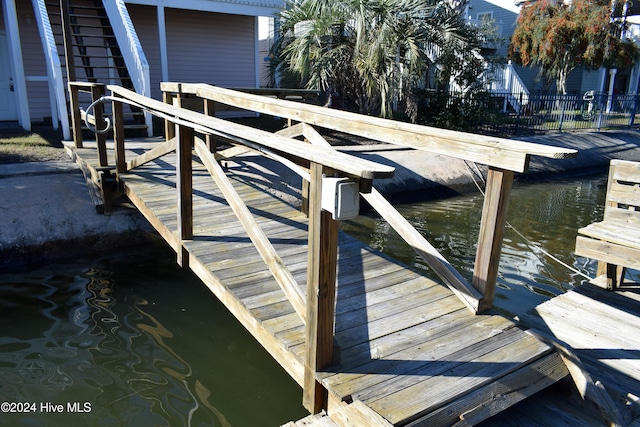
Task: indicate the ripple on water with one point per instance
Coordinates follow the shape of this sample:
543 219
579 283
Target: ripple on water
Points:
88 333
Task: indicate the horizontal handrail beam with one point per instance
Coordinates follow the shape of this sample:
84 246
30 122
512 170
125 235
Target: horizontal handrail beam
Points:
496 152
345 163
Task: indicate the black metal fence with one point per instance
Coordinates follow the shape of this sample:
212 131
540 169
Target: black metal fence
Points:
534 113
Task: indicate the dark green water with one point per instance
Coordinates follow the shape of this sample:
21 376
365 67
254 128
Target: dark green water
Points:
142 342
544 217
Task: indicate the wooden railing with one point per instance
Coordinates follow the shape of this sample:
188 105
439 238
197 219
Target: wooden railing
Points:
311 159
503 157
78 115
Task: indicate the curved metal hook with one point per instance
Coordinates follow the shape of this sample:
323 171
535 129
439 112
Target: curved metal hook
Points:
106 119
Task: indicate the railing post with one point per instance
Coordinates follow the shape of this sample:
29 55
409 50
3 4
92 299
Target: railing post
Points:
494 218
210 110
321 294
171 99
118 136
67 39
76 119
97 91
184 187
169 129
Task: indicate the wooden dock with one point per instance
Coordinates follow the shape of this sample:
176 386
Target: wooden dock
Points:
409 349
602 329
370 341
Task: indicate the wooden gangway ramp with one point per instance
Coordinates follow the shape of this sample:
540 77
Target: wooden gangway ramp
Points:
408 346
380 344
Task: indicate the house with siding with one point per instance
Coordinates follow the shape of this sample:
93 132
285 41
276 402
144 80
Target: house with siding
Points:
504 14
134 43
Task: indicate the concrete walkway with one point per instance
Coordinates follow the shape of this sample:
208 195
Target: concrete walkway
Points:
46 211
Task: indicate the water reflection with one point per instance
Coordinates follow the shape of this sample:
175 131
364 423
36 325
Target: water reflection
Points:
140 342
545 219
144 343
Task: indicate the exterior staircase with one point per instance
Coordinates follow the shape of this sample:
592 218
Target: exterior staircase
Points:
88 51
506 82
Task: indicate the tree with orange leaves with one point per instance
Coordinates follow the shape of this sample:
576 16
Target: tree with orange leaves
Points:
561 37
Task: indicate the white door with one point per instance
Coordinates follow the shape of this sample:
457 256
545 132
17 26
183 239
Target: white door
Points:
8 108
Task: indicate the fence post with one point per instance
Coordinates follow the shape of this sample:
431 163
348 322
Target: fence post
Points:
518 114
184 187
601 104
494 218
563 100
632 113
321 294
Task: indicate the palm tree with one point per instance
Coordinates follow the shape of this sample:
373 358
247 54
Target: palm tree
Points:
371 54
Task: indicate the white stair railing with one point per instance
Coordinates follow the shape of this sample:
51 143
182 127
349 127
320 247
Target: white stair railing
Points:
131 49
507 82
59 110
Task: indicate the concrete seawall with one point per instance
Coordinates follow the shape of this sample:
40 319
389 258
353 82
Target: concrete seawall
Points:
46 211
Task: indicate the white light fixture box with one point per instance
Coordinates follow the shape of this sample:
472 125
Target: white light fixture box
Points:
341 197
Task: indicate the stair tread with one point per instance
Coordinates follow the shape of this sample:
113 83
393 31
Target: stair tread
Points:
102 36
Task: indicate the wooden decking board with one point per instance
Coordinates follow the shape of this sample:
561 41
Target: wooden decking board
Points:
394 365
395 322
246 262
283 323
490 399
270 311
241 285
603 229
395 287
387 345
281 240
351 290
546 410
608 318
370 314
405 342
603 330
595 323
406 361
410 396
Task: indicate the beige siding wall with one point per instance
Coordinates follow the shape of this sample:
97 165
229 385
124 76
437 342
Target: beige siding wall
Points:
145 21
202 47
211 48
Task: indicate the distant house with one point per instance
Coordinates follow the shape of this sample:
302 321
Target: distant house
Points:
136 43
504 13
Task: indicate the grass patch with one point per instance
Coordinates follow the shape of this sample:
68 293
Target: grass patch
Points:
40 145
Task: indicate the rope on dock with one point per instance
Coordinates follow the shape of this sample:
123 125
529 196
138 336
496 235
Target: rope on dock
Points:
529 243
